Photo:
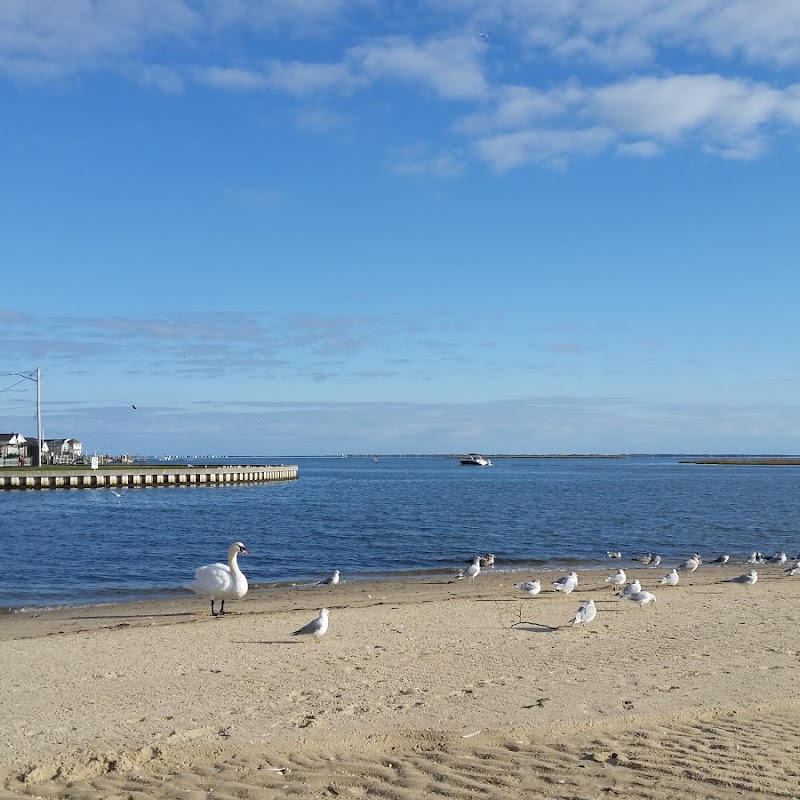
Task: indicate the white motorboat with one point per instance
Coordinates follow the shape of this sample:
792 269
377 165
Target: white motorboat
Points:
475 460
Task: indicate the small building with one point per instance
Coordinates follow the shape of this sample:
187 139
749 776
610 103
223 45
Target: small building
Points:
61 451
13 449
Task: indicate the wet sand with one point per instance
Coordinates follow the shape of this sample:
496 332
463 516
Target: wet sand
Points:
420 688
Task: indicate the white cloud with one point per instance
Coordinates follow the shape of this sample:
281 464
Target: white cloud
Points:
234 78
540 146
452 67
300 78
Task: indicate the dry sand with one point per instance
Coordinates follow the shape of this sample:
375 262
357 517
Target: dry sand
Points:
419 689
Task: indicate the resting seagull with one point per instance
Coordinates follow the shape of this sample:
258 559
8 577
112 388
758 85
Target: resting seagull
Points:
567 584
641 598
531 587
748 579
632 588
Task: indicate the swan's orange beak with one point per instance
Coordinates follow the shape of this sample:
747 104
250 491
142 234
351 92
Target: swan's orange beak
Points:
244 551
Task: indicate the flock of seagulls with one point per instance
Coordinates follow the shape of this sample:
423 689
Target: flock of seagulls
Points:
220 582
632 591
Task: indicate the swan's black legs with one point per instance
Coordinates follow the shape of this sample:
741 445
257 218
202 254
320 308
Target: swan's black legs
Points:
212 609
222 608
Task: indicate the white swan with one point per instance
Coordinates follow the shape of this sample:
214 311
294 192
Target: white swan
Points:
221 581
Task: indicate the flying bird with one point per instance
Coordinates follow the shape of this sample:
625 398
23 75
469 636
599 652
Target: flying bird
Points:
133 407
316 628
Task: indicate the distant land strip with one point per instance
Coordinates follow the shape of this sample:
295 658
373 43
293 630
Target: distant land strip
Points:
748 462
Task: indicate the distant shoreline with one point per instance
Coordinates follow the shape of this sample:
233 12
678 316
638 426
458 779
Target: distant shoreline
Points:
747 462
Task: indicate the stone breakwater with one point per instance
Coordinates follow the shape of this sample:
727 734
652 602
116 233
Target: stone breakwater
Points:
144 476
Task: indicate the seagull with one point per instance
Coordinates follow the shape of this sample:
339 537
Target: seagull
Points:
331 580
316 628
472 570
721 560
634 587
755 558
586 613
133 406
671 578
645 559
641 598
690 565
655 562
779 558
116 494
531 587
566 584
487 560
484 35
613 554
748 579
618 579
795 570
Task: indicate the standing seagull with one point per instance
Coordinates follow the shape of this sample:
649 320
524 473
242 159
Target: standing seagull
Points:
748 579
795 570
316 628
586 613
221 581
721 559
331 580
690 565
671 578
617 580
567 584
531 587
473 570
655 561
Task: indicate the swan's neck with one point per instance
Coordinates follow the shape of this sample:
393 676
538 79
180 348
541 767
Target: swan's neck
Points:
233 562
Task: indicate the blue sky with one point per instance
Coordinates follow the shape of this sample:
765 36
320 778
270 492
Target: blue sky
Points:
446 226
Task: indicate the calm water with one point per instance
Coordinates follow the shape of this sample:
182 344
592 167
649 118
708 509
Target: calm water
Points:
398 516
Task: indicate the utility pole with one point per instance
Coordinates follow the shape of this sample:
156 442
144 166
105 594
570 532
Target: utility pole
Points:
39 415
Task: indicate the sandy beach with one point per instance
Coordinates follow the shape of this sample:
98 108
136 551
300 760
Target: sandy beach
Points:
436 688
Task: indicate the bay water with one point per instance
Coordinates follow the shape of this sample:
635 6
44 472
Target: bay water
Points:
390 518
